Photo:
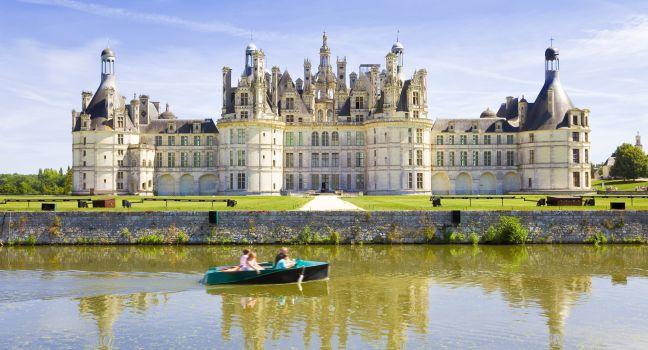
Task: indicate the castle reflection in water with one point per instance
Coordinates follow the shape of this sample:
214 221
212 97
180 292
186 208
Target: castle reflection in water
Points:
381 294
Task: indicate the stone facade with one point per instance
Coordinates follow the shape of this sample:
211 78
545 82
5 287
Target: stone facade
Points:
368 133
285 227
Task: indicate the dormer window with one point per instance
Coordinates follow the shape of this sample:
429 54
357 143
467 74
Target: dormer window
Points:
498 127
575 120
171 127
475 128
196 128
451 127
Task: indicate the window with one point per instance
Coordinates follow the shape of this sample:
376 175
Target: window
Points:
325 138
349 141
410 156
586 156
320 116
290 181
463 139
300 183
158 159
240 136
451 159
587 179
360 159
451 140
463 161
231 157
231 181
359 138
325 160
300 160
314 160
85 140
244 99
210 140
210 159
575 122
335 138
510 158
575 136
158 140
359 102
300 139
290 160
245 114
419 180
329 115
415 98
184 141
240 181
530 183
171 141
475 139
531 156
576 156
314 139
120 139
232 139
335 160
576 176
184 159
531 138
240 157
359 118
120 152
509 139
290 103
410 180
360 183
419 135
475 158
439 158
586 137
171 159
487 139
197 159
416 114
499 158
120 175
409 135
439 139
290 138
499 139
349 164
290 118
419 157
120 163
487 158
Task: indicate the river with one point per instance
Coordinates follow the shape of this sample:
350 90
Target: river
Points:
377 297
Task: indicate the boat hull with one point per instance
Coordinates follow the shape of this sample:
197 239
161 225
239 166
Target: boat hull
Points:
311 270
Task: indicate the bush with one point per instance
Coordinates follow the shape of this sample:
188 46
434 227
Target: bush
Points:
30 240
334 238
151 239
474 238
510 231
182 238
305 235
597 239
456 238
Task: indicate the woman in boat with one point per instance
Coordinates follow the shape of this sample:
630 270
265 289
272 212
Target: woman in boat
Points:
242 262
284 262
251 263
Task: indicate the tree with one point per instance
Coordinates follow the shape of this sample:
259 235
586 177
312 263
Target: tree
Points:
630 162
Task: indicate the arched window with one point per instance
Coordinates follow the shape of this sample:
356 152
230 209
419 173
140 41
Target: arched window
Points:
335 139
325 138
320 116
314 139
329 115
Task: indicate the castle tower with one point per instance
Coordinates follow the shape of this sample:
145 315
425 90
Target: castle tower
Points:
325 54
638 141
398 50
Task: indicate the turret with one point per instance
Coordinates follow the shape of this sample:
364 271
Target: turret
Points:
107 62
325 54
135 111
353 78
398 50
523 107
86 96
638 141
249 64
341 69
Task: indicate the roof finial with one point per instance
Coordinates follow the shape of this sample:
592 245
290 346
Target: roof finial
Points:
551 40
251 35
397 34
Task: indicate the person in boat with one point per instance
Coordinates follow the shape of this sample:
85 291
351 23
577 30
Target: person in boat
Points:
283 260
242 262
251 263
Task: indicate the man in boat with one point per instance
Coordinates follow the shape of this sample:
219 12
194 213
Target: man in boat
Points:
283 260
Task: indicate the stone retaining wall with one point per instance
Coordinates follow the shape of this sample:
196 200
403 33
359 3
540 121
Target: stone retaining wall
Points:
286 227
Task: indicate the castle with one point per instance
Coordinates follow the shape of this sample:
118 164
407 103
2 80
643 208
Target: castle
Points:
369 133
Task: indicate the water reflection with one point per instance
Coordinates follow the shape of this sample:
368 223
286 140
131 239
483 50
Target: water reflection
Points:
379 296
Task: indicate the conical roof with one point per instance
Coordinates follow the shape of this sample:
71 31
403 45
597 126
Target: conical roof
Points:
97 107
550 107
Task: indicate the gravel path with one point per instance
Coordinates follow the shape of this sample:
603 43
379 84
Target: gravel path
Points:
328 202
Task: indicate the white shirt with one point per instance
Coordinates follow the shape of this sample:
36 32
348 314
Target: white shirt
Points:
243 260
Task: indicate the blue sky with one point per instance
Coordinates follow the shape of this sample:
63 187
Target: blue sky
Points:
476 54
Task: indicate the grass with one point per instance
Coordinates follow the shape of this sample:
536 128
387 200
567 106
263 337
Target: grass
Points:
621 185
406 202
257 203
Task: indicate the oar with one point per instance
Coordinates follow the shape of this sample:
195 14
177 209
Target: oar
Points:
301 275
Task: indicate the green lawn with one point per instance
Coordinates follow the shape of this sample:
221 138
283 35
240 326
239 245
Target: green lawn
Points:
621 185
260 203
423 203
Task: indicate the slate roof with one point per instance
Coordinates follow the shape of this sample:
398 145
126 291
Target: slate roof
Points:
540 116
466 125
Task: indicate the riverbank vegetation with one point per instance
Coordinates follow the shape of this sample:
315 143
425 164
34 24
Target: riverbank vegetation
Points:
46 182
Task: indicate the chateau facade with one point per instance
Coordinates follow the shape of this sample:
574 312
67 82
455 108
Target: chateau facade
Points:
367 133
